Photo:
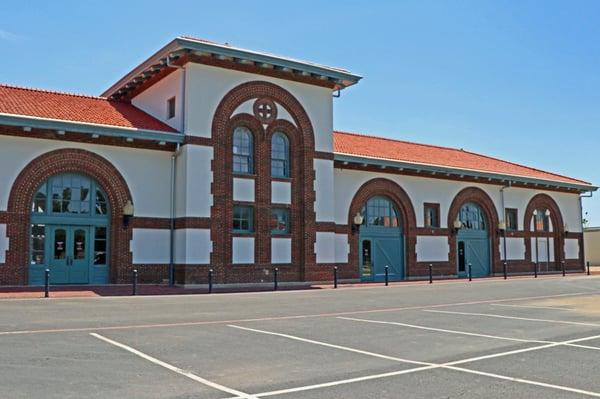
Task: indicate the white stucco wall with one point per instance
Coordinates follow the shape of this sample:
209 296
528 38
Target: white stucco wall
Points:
147 172
193 246
149 246
542 249
243 189
207 85
281 250
324 186
342 248
571 248
432 249
243 250
154 99
515 248
325 247
193 181
4 241
281 192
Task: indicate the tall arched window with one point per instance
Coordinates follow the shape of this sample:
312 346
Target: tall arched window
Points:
541 219
243 150
472 217
280 155
380 211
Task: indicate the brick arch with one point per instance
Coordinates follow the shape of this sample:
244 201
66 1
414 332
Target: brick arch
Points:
544 201
37 172
302 152
387 188
481 198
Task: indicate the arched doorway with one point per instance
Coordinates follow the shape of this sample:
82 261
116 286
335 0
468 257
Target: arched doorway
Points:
381 240
70 220
473 242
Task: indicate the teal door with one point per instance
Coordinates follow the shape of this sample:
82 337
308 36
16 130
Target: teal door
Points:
381 242
69 261
473 243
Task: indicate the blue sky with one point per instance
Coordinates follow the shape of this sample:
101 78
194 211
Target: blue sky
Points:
519 80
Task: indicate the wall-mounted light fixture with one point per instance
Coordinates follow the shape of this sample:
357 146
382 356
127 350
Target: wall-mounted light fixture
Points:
501 227
357 221
457 226
566 228
128 211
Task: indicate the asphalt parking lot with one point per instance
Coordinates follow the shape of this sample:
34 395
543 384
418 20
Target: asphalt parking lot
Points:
535 338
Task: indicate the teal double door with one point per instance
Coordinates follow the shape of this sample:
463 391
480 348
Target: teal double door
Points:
69 254
381 247
473 247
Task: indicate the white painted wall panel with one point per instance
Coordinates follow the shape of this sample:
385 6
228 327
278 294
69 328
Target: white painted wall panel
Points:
281 192
4 241
342 248
147 173
154 99
432 249
207 85
325 247
243 189
194 179
149 246
193 246
324 186
281 250
515 248
243 250
544 248
572 248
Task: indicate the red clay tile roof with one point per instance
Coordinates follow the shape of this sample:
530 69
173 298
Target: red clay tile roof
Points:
395 150
75 108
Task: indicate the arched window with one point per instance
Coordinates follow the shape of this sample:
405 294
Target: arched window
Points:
280 155
243 150
472 217
380 211
541 220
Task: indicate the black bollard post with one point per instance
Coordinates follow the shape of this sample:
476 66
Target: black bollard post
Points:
210 280
275 279
386 275
535 269
335 277
470 272
588 268
430 273
134 281
504 269
563 268
47 284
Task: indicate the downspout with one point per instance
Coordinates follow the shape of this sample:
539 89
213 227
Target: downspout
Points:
504 219
590 195
174 176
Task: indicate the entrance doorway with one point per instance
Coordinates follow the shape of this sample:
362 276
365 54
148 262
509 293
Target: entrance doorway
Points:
381 241
69 225
473 243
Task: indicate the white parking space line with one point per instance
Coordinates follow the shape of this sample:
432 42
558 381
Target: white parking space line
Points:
302 316
531 306
430 366
443 330
499 316
175 369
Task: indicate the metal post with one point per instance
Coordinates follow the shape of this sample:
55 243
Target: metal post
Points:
504 269
134 282
335 276
275 279
210 280
535 269
563 268
386 275
47 284
588 268
470 272
430 273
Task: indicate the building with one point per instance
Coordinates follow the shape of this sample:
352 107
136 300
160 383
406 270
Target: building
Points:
591 241
210 156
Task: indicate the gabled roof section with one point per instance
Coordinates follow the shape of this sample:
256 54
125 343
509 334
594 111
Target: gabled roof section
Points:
186 48
52 105
348 146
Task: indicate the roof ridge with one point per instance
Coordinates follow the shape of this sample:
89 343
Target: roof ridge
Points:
400 141
63 93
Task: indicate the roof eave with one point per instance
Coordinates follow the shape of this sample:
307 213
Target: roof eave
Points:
534 182
90 128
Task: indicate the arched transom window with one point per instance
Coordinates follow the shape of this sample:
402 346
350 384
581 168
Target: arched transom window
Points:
472 217
243 150
380 211
541 220
70 194
280 155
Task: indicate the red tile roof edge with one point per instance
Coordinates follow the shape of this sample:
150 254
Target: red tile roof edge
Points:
562 178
